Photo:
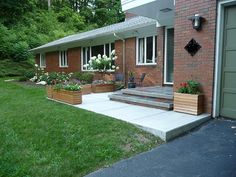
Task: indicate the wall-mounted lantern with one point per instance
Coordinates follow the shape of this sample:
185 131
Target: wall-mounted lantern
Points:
197 21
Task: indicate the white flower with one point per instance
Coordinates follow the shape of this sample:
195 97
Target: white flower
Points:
114 58
113 52
86 65
90 61
36 65
33 79
113 67
93 58
41 83
99 56
117 67
104 56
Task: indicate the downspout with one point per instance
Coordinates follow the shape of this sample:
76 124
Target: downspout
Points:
123 51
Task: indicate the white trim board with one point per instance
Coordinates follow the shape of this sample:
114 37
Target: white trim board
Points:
218 54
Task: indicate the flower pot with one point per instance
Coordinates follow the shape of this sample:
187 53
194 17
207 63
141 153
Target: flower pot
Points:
49 90
100 88
71 97
86 89
188 103
131 84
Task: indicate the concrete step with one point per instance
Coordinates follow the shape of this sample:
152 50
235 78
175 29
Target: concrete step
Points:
160 94
143 101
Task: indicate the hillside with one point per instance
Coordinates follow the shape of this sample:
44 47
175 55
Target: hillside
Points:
25 24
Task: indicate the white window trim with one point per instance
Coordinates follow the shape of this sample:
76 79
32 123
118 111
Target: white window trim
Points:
145 53
40 60
90 52
66 59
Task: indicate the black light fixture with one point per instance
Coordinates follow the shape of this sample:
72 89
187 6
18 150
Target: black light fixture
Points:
197 21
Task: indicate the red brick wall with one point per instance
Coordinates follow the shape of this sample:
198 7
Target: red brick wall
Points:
201 66
154 73
52 61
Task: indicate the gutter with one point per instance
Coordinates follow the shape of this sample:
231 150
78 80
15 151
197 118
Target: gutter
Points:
123 51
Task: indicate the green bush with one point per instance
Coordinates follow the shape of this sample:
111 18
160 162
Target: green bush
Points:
29 74
23 79
10 68
84 77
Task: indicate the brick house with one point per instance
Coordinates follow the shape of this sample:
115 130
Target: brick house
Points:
155 44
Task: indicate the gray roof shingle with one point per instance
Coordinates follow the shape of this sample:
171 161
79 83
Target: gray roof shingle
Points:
129 24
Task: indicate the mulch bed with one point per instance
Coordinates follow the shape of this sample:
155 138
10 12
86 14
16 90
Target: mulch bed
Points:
29 84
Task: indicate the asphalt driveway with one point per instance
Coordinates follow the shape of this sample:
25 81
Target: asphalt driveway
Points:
207 152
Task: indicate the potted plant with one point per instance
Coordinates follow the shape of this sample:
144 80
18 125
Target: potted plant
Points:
68 93
188 98
131 78
103 65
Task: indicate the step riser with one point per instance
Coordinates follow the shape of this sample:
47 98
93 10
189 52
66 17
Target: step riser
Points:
140 104
155 98
141 101
147 94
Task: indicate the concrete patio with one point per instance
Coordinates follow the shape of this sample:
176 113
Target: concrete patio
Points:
165 124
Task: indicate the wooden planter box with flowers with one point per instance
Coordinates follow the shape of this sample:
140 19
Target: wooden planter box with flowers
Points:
49 90
71 97
188 99
100 88
68 93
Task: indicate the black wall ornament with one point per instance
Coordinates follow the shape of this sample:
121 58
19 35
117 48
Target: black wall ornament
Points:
192 47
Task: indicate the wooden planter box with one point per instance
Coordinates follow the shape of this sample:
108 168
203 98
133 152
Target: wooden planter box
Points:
49 90
71 97
86 89
188 103
99 88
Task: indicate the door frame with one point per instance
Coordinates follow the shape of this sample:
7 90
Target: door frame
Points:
218 53
165 58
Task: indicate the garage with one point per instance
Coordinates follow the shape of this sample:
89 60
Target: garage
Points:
228 65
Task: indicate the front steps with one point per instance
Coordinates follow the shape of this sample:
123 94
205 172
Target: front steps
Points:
155 97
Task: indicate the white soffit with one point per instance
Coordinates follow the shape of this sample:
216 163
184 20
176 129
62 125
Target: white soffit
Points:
160 10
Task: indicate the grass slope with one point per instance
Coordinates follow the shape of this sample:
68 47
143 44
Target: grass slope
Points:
11 68
42 138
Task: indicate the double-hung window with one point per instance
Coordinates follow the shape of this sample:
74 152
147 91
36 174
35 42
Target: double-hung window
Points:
88 52
42 61
63 61
146 50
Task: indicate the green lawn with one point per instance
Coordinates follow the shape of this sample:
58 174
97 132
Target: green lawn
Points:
41 138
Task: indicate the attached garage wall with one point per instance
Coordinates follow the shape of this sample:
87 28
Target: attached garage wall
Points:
201 66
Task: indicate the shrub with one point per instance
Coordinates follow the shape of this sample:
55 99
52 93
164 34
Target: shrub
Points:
23 79
102 63
55 78
29 74
84 77
69 86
